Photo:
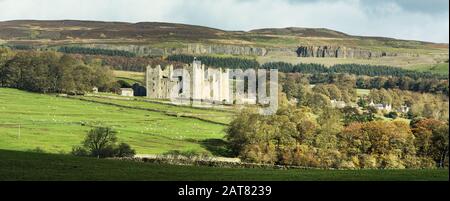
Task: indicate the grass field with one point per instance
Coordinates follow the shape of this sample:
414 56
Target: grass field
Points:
441 68
55 124
129 76
362 92
37 166
218 116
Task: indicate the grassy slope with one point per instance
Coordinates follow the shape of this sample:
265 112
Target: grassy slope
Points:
55 124
441 68
209 115
36 166
130 77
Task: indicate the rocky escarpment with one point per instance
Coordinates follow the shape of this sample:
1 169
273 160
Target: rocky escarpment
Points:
342 52
205 49
145 50
226 49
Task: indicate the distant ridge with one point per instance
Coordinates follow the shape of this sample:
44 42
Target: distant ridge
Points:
17 29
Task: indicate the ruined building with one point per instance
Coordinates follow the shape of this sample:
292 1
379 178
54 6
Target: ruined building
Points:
206 84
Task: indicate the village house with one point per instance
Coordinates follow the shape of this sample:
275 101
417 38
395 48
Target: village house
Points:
404 109
386 107
126 92
337 104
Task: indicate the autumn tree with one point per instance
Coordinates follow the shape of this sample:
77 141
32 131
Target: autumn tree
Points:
431 140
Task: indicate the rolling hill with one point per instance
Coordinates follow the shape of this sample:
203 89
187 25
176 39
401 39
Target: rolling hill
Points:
270 44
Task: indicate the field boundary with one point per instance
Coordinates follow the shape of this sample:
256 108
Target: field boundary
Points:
160 103
222 162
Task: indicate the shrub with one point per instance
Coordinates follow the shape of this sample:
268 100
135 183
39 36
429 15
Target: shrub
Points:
390 161
305 155
258 153
347 165
124 150
79 151
101 142
37 150
329 158
426 162
392 115
368 161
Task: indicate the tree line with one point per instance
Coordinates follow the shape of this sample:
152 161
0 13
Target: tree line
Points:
428 85
304 68
95 51
425 85
294 136
51 72
135 64
355 69
219 62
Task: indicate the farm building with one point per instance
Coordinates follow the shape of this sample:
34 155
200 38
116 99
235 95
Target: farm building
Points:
126 92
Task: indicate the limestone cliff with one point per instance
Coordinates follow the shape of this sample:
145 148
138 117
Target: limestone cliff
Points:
301 51
188 49
342 52
226 49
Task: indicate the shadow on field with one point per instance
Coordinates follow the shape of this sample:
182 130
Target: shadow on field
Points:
217 147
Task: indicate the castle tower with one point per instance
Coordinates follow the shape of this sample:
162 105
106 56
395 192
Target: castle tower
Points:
224 85
205 87
166 82
197 81
153 81
213 83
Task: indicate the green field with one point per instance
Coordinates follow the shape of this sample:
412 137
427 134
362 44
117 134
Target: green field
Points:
36 166
441 68
130 77
55 124
362 92
213 115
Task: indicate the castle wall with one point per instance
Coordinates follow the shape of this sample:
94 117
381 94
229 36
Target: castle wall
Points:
206 85
158 82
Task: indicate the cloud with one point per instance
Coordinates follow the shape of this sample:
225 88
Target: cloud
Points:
404 19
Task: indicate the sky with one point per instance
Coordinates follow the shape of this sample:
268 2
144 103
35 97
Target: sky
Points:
424 20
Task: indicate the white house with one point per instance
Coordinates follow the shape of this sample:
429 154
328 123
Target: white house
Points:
404 109
126 92
337 104
387 107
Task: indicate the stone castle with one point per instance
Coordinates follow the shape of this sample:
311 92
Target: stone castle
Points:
205 84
